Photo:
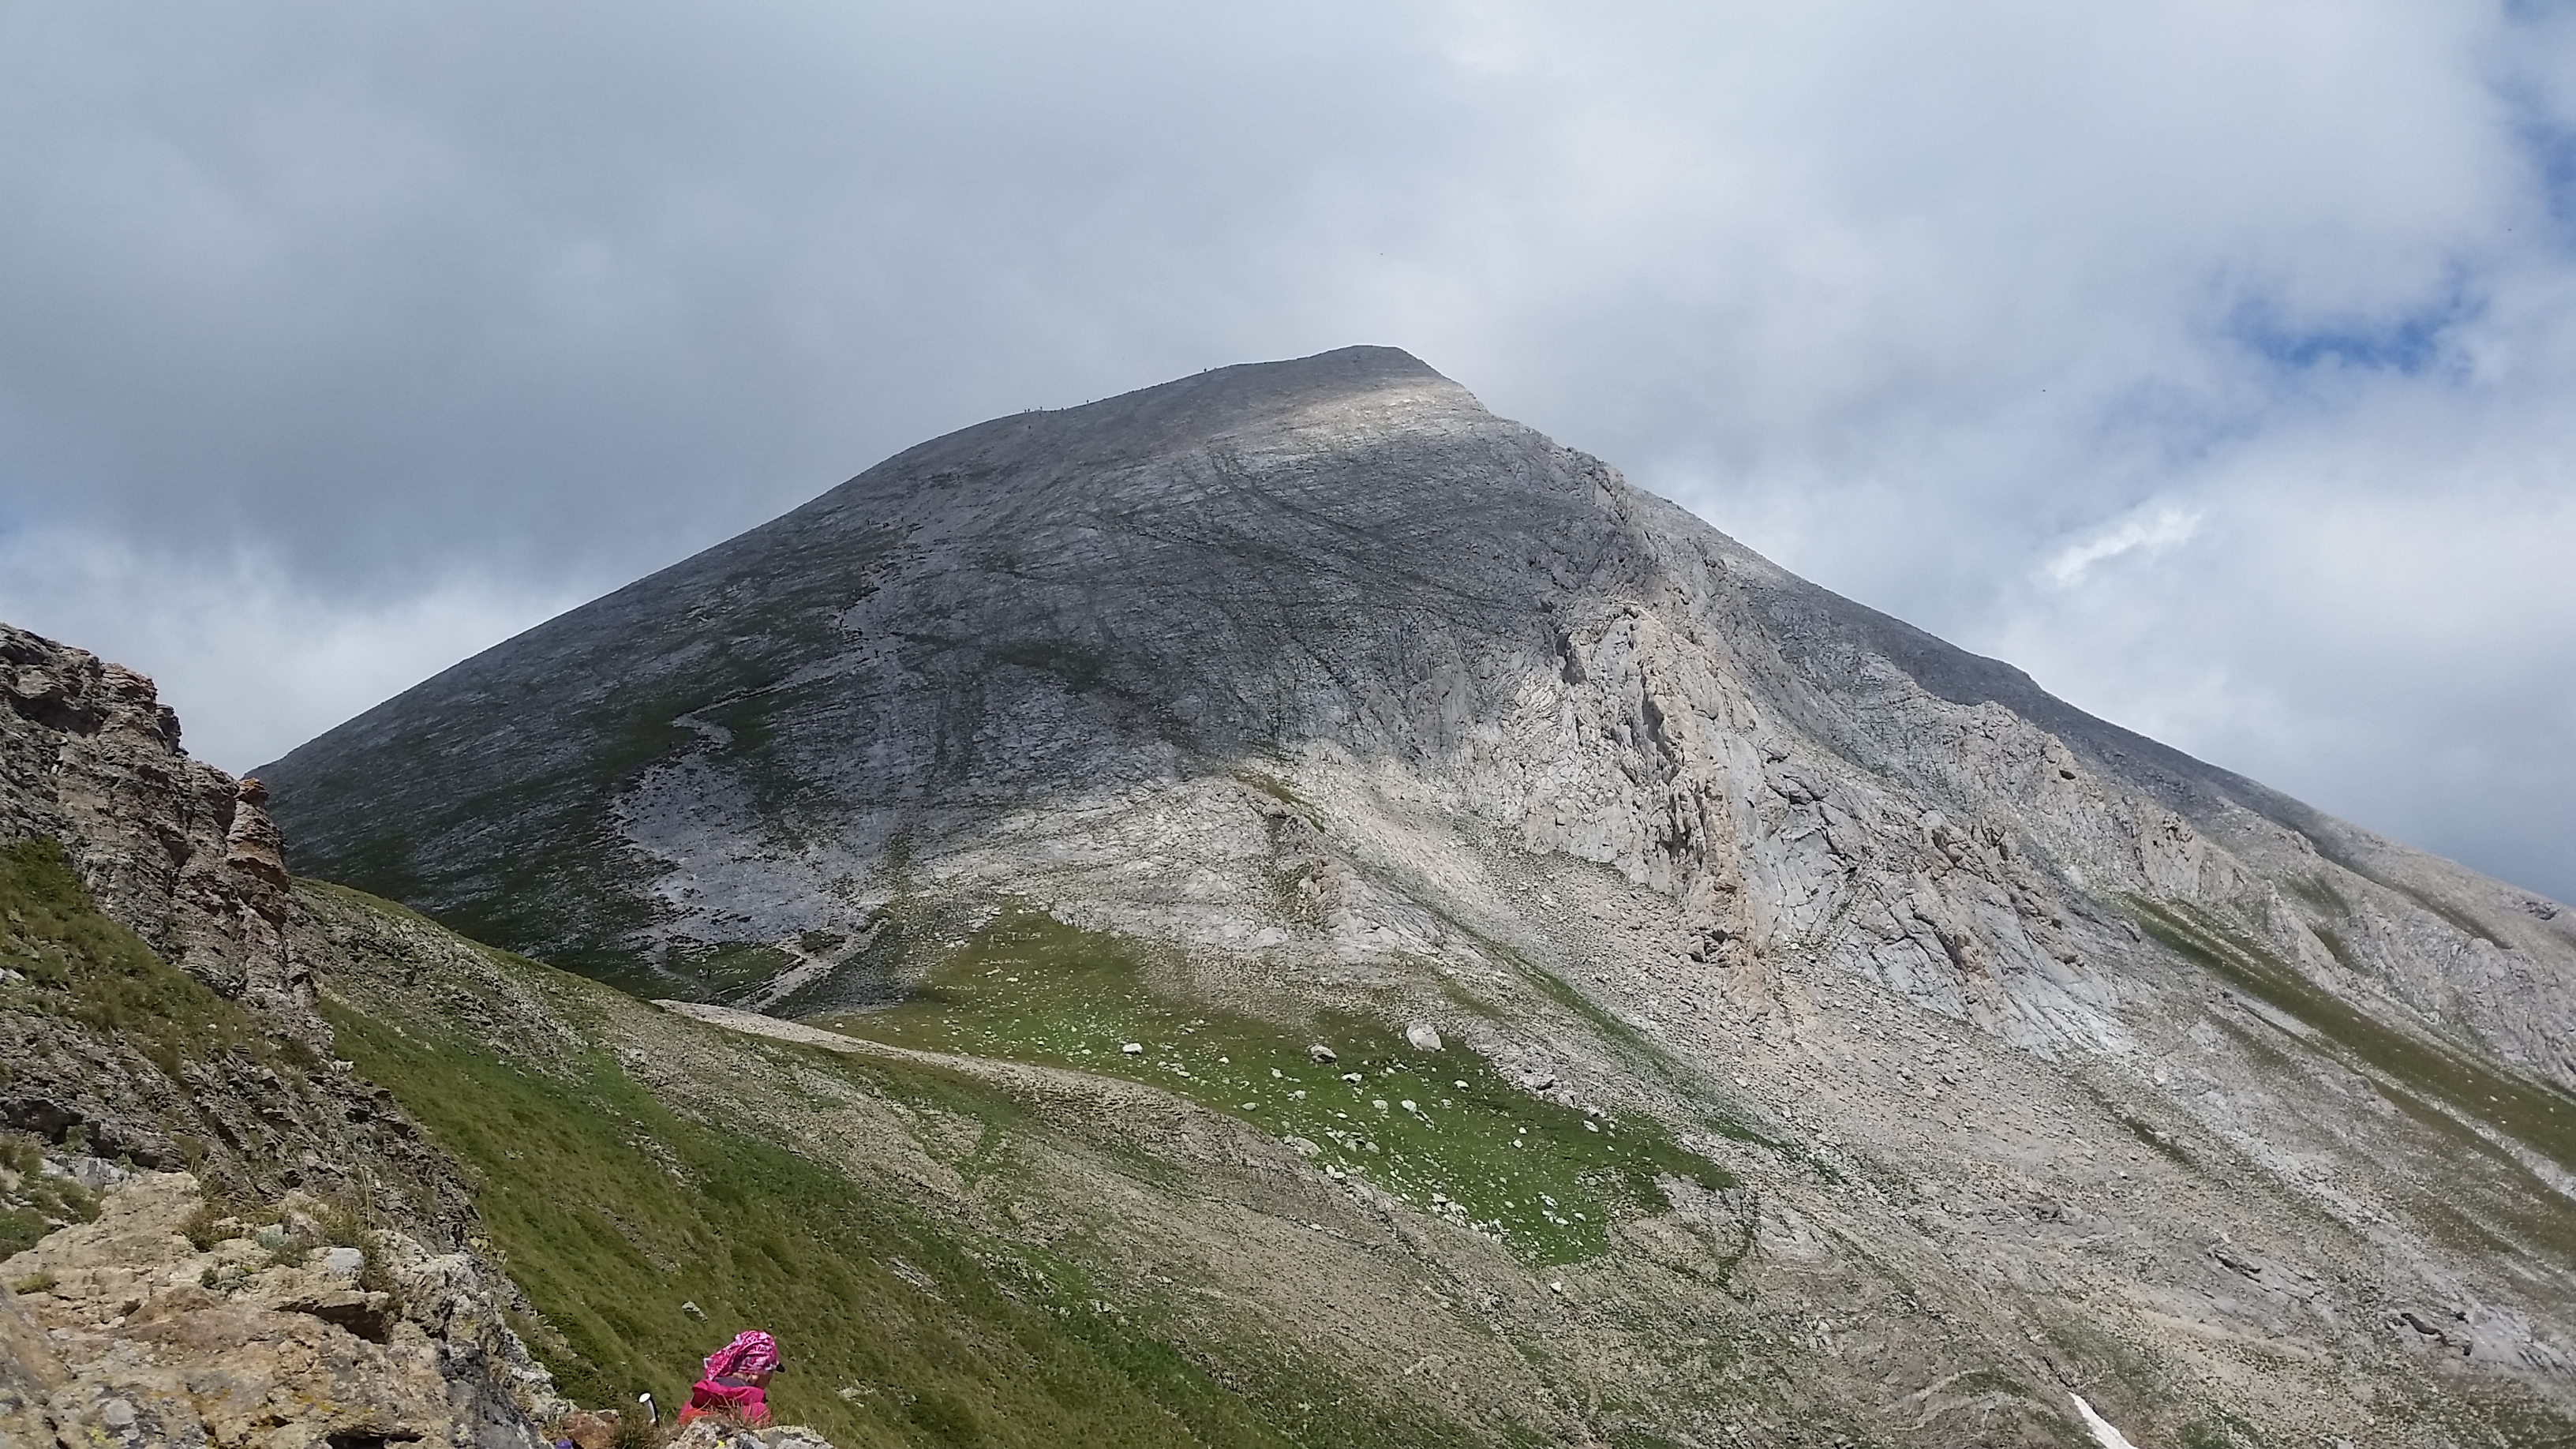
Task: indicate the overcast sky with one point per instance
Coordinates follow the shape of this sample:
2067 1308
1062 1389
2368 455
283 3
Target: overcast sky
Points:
2215 362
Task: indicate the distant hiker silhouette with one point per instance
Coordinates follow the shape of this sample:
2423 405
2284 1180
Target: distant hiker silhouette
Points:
737 1380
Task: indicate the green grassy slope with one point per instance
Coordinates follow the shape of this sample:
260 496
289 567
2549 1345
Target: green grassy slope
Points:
1433 1128
73 962
900 1327
2488 1195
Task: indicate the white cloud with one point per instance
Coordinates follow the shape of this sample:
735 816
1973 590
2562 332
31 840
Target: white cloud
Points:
2151 531
254 663
1965 310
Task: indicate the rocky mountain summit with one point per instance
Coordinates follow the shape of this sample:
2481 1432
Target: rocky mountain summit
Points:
1992 1050
1284 908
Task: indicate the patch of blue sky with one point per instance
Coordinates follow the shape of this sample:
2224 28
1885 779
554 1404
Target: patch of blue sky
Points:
2410 343
2552 148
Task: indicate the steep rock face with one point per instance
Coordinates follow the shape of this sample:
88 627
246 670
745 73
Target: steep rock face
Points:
174 848
220 1064
1345 573
1358 698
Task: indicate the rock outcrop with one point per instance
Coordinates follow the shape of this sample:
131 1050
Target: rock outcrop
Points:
124 1331
158 1011
172 847
222 1065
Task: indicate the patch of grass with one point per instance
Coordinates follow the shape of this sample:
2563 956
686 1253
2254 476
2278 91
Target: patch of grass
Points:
2479 1408
2337 947
2541 1117
34 1205
35 1283
2460 919
2319 893
208 1224
79 964
1641 1051
284 1248
1434 1128
1281 791
724 970
609 1210
1082 670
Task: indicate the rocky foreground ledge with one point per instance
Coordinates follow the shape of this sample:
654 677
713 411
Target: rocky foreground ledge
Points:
168 1320
172 1321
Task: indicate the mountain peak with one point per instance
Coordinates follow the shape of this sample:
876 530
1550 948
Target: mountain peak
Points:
1327 400
1325 699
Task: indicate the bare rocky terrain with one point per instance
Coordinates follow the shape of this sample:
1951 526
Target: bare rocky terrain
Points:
1292 876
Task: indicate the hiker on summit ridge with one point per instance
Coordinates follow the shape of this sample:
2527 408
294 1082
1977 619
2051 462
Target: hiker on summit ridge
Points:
737 1380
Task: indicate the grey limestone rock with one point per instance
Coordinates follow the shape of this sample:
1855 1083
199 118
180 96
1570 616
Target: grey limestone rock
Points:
186 857
137 1337
1352 695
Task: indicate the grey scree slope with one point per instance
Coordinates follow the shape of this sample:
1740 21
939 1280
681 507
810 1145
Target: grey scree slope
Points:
1345 689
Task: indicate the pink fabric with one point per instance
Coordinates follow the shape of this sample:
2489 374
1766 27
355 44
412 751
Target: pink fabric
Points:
751 1352
707 1396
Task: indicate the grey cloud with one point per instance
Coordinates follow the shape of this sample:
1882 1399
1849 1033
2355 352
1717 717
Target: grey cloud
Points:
342 340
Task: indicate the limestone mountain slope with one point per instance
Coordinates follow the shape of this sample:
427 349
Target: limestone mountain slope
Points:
1342 700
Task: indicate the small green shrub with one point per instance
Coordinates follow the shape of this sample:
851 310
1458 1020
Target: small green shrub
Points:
35 1283
207 1224
944 1417
342 1226
36 1204
21 1229
285 1249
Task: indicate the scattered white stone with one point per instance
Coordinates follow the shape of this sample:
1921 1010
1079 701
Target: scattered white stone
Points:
1378 1102
1134 1049
1422 1036
344 1262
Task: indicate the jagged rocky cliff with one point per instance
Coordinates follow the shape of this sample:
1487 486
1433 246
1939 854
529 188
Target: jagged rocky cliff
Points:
1354 698
158 1011
194 1042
